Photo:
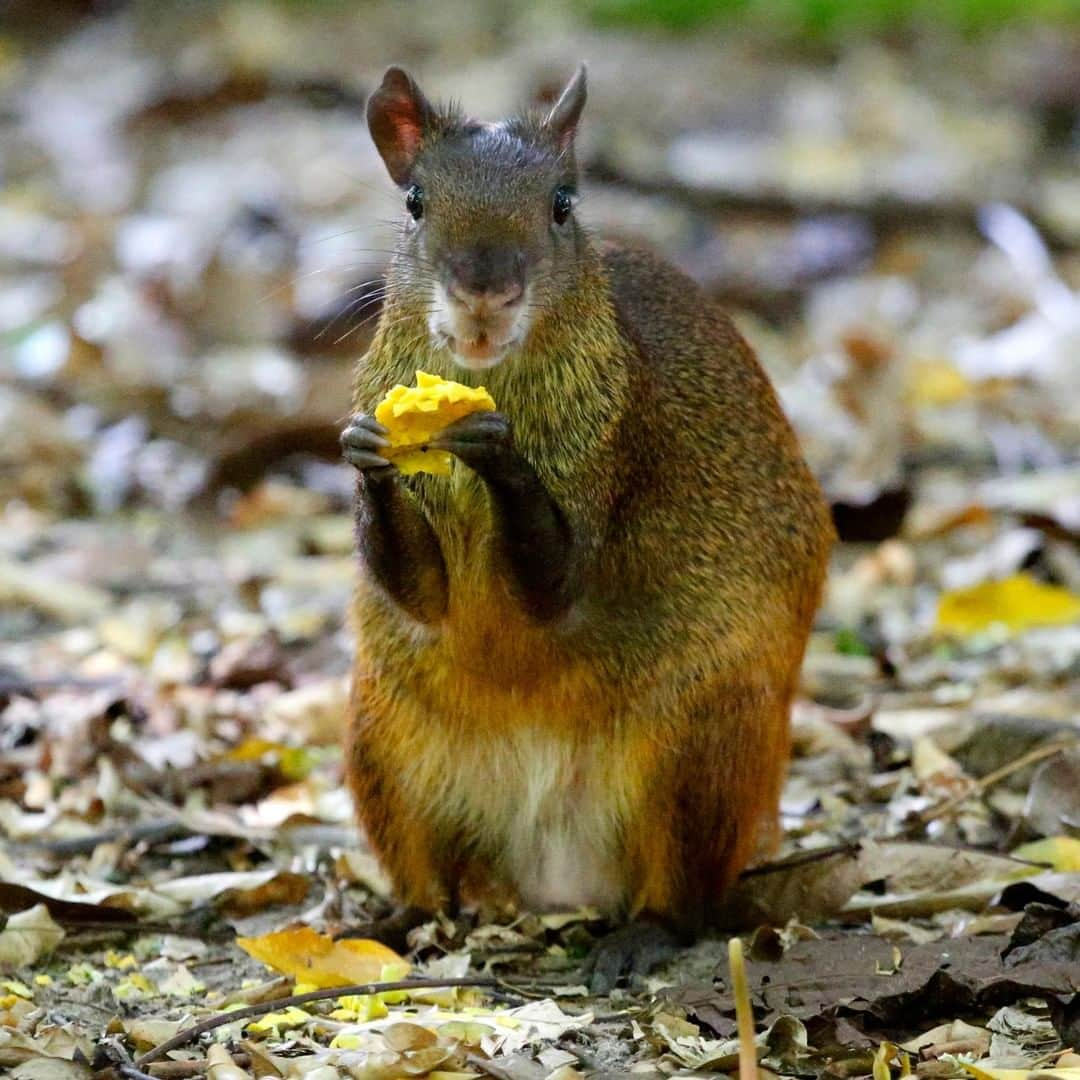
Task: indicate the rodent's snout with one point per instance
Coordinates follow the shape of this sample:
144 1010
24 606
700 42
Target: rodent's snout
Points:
486 302
486 279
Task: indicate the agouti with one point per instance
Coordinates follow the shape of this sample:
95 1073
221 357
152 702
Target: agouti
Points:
577 654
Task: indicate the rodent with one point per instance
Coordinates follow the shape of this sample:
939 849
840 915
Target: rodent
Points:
577 655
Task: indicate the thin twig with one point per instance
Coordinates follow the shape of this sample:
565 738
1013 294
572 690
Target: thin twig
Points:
132 1072
181 1038
983 784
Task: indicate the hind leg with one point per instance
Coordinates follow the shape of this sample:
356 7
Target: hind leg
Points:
711 799
399 828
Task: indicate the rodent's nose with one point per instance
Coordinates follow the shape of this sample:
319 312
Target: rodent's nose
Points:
486 302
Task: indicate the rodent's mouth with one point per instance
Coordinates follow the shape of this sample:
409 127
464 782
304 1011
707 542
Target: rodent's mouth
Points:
480 353
476 341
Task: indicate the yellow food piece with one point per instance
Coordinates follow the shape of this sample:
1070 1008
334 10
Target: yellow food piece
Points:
413 415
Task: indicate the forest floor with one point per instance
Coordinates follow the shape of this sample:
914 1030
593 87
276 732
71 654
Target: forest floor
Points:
192 226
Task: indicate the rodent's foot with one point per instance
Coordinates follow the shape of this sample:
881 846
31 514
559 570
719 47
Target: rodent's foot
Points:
392 930
632 950
361 442
483 440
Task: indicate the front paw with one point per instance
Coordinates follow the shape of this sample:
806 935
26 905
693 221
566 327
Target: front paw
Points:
483 440
362 443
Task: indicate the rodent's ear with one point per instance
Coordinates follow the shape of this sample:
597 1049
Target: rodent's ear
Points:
564 116
397 116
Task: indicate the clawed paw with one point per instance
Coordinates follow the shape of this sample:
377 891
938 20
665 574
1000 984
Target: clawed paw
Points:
633 951
477 439
362 443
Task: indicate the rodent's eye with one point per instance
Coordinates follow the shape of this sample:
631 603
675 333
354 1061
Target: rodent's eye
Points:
414 201
561 205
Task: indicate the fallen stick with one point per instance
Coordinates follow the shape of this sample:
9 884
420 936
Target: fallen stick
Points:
983 784
182 1038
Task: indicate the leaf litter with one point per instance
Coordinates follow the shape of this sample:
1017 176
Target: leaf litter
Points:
189 266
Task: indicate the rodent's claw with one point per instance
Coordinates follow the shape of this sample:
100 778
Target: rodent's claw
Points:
361 442
632 950
477 438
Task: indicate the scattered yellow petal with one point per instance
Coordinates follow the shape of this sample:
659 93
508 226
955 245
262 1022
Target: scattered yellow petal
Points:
120 961
347 1041
1017 603
81 975
359 1007
20 989
414 414
472 1034
1060 853
271 1023
43 980
133 987
317 959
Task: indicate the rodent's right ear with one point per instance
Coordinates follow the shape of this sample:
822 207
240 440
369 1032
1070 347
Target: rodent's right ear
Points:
398 115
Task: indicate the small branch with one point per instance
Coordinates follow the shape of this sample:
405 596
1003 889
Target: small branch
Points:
183 1070
181 1038
982 785
132 1072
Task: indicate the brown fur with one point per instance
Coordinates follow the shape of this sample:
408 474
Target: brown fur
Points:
664 693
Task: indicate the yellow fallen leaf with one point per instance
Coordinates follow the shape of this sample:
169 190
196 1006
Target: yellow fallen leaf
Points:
294 762
1060 853
413 415
1017 603
319 960
936 382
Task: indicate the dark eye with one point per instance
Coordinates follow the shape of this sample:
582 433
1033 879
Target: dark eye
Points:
561 205
414 201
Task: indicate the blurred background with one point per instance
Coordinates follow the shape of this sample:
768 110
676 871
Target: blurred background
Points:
193 223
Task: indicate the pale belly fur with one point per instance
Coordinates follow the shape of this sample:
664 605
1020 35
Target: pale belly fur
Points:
546 811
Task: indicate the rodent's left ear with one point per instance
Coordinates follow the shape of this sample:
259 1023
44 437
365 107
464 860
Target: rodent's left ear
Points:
398 115
563 119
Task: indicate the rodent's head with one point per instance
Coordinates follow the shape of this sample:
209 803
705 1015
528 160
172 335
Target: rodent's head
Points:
489 239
